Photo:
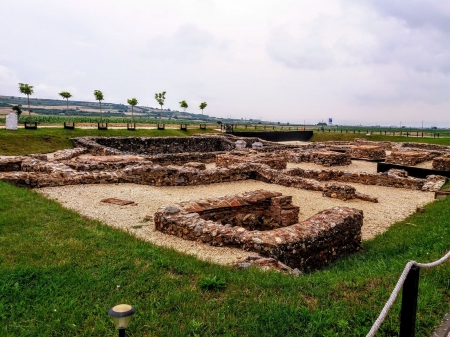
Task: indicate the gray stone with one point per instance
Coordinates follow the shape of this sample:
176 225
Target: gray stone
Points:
11 121
257 145
240 144
171 210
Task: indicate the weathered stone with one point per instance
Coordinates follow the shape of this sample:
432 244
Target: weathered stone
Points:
434 183
369 152
10 163
339 191
442 163
11 121
328 158
257 145
236 157
408 158
240 145
195 165
309 245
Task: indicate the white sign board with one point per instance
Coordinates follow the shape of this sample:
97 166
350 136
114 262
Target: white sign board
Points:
11 122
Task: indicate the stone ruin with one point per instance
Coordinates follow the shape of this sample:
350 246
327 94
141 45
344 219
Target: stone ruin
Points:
266 223
329 158
408 158
367 152
273 160
442 163
95 163
173 161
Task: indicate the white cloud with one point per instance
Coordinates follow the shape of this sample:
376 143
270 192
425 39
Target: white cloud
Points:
7 79
187 43
287 60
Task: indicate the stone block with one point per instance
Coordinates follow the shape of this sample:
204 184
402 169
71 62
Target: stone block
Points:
442 163
11 121
370 152
408 158
329 158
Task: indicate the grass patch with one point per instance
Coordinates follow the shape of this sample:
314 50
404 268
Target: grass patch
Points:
43 140
60 273
329 136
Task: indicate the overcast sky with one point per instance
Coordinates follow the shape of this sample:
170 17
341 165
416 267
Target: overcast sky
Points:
367 61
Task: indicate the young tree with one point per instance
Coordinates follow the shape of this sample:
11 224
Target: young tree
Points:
184 105
160 97
26 89
66 95
99 97
202 106
132 102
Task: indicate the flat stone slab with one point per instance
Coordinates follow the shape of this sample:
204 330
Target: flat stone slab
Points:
119 202
109 159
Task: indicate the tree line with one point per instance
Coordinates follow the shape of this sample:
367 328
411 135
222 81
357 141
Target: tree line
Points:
26 89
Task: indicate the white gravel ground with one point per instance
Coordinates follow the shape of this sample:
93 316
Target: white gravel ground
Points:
394 205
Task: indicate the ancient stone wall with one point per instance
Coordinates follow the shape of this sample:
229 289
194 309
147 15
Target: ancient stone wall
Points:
308 245
276 161
329 158
442 163
39 173
424 146
364 142
407 158
379 179
368 152
259 210
10 163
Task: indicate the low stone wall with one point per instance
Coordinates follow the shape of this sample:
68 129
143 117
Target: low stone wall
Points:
10 163
442 163
328 158
342 192
378 179
363 142
407 158
78 168
308 245
274 161
165 145
425 146
368 152
156 145
257 210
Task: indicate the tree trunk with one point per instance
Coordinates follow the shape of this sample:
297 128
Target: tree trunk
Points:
101 114
132 114
29 111
67 111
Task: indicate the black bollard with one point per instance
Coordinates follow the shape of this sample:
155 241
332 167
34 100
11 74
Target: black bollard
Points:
409 303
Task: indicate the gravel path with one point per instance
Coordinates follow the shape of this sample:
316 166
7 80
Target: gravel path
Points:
394 205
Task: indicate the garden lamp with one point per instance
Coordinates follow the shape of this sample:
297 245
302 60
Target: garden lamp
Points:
121 316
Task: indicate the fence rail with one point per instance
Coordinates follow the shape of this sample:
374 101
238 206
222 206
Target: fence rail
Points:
409 279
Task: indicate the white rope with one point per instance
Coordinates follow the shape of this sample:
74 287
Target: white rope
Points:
397 288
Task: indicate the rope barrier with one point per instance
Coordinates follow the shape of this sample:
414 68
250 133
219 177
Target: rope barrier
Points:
397 288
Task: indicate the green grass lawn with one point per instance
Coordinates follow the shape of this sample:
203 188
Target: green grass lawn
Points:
60 273
327 136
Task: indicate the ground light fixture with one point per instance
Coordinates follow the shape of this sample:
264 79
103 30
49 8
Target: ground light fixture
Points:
121 317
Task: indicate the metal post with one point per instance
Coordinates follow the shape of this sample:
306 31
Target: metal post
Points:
409 303
121 332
